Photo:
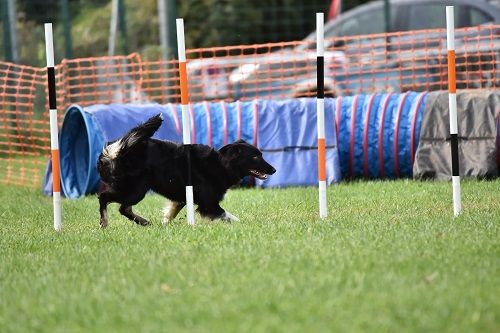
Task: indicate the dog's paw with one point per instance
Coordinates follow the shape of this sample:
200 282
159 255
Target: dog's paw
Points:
141 221
103 223
165 221
228 217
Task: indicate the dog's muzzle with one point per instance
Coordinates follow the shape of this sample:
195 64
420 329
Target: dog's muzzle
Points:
268 170
258 174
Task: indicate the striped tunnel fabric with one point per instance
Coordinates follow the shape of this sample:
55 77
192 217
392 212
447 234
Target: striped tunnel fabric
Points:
378 134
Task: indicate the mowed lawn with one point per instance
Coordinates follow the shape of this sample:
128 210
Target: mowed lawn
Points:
390 257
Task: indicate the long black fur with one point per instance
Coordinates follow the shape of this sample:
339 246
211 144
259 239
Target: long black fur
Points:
136 163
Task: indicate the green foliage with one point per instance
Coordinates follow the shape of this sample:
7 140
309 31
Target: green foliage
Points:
218 23
208 23
91 29
389 258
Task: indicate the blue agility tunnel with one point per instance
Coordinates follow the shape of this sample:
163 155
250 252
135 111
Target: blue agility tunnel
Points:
377 136
86 130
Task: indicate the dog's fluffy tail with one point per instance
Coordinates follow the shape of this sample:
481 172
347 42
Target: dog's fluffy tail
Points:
133 137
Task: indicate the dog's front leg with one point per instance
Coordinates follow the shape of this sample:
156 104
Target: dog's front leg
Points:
103 205
172 208
126 211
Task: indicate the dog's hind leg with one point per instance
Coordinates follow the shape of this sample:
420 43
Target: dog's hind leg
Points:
126 211
228 217
172 208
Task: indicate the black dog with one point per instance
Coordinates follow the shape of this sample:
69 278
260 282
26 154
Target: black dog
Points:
136 163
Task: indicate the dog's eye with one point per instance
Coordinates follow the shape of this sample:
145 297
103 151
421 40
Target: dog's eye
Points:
255 158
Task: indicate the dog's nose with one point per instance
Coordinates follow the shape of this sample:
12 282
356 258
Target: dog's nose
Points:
273 170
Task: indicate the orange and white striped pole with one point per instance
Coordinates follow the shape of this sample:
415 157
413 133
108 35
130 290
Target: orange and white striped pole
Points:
452 102
320 113
186 126
54 133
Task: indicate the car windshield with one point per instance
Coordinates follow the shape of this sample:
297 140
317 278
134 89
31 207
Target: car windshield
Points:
369 20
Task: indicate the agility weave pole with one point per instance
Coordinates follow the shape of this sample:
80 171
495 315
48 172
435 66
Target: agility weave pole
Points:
320 110
186 125
452 101
54 135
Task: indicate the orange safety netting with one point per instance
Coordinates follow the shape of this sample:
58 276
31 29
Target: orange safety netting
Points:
402 61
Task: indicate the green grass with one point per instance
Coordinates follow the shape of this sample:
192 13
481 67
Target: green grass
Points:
389 258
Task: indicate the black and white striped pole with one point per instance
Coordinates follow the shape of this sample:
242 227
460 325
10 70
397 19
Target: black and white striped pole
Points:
186 126
54 133
320 113
452 101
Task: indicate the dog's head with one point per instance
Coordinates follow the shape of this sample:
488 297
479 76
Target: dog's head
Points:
246 160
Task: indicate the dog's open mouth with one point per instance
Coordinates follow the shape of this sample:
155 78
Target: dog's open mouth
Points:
258 174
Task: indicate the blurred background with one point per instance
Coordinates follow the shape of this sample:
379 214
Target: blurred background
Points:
124 51
82 28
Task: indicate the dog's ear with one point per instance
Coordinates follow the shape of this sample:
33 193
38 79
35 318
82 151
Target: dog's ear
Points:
231 148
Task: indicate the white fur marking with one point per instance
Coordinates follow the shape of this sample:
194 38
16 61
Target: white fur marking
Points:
133 139
112 150
170 211
227 216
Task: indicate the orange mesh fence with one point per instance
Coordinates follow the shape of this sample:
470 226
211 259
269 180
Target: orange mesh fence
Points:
415 60
100 80
24 135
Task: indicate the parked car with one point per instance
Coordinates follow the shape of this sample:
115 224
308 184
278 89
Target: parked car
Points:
375 61
291 71
208 77
214 78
